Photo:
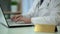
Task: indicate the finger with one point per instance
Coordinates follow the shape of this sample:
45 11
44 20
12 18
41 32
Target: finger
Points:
18 19
18 16
15 17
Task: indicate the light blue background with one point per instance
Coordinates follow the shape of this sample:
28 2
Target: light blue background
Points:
26 5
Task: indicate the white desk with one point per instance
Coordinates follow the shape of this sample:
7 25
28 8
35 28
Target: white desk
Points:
20 30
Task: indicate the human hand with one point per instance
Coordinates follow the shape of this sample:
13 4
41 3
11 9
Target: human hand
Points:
16 17
26 20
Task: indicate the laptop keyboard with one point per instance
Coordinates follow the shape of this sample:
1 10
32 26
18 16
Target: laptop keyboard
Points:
12 22
20 22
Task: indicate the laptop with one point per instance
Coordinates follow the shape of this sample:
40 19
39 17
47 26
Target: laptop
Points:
11 24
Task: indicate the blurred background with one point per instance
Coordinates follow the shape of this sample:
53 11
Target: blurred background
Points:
14 7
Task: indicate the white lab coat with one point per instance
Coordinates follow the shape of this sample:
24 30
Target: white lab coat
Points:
48 12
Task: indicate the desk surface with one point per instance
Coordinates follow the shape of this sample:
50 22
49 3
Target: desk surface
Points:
22 30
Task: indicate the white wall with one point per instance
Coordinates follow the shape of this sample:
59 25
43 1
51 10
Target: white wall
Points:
26 5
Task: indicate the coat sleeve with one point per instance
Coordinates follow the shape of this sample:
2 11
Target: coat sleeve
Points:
53 18
44 20
31 10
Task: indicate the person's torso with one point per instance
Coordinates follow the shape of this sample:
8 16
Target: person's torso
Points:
46 11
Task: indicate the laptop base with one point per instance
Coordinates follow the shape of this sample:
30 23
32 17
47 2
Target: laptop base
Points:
20 26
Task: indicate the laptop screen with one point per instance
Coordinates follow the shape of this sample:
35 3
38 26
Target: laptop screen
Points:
2 19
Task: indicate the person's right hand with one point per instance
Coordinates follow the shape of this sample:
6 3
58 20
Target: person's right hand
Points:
14 18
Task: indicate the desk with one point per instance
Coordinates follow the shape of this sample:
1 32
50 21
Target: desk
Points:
22 30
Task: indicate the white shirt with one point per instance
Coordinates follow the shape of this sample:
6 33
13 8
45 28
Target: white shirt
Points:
48 12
